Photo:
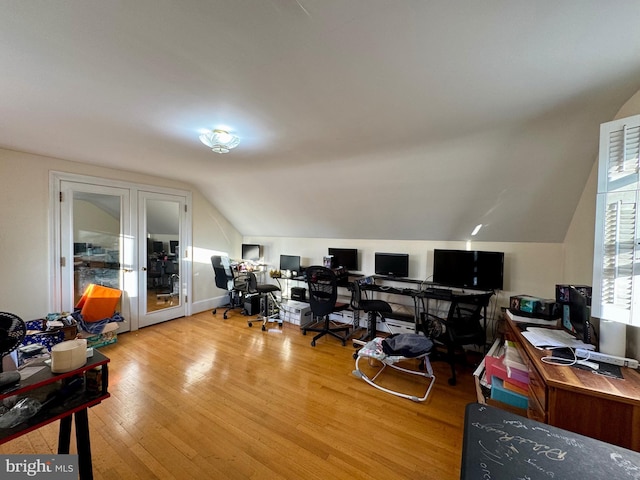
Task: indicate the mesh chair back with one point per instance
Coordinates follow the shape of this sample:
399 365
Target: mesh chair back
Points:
464 322
323 290
356 295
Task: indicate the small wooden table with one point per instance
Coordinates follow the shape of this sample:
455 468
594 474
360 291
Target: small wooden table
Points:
73 406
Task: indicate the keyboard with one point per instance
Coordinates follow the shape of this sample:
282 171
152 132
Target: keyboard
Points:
440 292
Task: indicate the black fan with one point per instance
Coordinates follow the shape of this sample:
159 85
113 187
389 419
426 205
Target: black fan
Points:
12 332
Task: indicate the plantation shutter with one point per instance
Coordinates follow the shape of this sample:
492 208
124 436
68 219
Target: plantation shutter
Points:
617 253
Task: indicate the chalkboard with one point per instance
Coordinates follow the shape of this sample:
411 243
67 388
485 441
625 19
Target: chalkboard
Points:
501 445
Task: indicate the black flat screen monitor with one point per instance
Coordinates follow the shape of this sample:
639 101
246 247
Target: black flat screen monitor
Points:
158 247
579 315
468 269
251 252
392 264
345 258
173 246
290 262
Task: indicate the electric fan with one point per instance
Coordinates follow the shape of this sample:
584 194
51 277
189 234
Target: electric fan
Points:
12 332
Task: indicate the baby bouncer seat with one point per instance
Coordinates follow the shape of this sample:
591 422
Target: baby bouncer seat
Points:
388 352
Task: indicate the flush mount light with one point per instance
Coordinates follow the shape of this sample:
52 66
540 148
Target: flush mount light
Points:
220 141
476 230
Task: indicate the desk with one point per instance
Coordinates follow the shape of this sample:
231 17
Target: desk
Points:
577 400
421 297
75 406
499 444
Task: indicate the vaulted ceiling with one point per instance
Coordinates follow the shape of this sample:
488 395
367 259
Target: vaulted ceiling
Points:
405 119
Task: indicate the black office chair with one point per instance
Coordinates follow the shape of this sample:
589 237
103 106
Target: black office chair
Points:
154 273
463 326
269 305
170 282
235 285
323 295
373 309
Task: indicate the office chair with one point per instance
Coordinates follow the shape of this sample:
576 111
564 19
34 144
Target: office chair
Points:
236 285
463 325
323 294
154 273
373 309
172 282
269 305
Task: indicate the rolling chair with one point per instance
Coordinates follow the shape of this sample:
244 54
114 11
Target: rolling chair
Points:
269 305
463 326
373 309
235 285
154 273
172 278
323 294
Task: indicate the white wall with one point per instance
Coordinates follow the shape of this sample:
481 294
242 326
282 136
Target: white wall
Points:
530 268
24 236
579 241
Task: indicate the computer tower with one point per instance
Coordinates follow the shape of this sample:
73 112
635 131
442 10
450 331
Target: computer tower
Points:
252 304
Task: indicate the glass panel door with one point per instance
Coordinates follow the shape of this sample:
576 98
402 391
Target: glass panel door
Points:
95 242
160 257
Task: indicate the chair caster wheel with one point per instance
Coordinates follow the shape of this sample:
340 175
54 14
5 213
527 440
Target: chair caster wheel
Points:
280 325
250 324
225 316
304 332
452 381
264 329
213 312
313 343
355 356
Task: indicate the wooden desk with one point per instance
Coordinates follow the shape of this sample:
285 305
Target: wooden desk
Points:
580 401
74 406
499 444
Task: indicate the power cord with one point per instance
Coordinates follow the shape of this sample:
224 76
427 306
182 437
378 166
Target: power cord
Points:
567 362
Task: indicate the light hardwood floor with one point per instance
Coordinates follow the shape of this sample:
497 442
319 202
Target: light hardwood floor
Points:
206 398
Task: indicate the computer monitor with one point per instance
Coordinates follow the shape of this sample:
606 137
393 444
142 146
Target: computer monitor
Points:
392 264
290 262
579 314
251 252
345 258
158 247
173 246
468 269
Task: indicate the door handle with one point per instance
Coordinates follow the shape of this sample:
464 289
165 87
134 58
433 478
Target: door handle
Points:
144 269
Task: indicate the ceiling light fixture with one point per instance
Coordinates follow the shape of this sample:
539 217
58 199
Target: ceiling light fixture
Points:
476 230
220 141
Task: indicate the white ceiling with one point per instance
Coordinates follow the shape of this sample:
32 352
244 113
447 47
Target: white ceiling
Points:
378 119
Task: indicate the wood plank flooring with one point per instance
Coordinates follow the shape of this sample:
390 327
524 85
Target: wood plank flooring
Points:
205 398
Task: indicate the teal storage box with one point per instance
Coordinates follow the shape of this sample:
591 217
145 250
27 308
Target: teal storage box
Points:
501 394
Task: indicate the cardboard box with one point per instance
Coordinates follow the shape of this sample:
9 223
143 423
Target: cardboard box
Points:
298 313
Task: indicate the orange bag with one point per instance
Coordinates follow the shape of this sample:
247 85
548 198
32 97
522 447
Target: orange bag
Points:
98 302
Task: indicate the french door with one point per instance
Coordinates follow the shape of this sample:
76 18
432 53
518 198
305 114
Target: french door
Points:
162 226
125 236
96 243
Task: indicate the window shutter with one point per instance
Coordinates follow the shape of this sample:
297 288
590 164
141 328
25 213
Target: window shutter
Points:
619 145
616 253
